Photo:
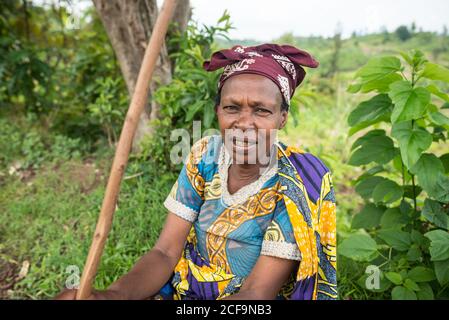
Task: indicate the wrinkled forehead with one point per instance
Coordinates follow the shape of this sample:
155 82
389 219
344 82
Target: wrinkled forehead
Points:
251 86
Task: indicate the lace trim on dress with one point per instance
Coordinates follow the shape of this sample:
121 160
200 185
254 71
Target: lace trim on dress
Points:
180 209
282 249
239 197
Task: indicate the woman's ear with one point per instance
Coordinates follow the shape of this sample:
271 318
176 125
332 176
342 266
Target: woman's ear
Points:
284 118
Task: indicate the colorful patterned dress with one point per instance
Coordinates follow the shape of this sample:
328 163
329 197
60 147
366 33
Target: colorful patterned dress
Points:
289 213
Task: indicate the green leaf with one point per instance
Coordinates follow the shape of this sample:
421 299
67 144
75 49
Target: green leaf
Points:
413 141
441 190
370 172
414 253
393 217
378 68
367 137
428 168
376 148
387 192
421 274
365 187
384 284
435 72
433 212
394 277
419 239
411 285
425 292
397 239
439 119
381 85
402 293
359 247
435 91
410 193
439 244
368 218
410 103
442 271
445 160
372 111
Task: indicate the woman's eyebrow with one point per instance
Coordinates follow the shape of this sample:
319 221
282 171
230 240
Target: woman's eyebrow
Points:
252 103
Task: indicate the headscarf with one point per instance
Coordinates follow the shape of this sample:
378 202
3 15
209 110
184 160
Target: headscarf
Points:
283 64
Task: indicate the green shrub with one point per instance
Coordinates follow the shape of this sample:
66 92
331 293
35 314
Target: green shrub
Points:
403 227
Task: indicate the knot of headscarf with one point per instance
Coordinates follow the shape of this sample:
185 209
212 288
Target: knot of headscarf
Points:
283 64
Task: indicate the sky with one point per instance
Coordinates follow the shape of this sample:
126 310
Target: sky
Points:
267 20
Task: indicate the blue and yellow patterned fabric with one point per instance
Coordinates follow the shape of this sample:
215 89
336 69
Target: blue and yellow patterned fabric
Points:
288 213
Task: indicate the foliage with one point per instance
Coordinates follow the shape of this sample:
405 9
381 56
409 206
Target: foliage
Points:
191 94
403 33
405 185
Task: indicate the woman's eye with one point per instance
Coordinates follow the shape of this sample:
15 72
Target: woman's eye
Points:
231 108
263 111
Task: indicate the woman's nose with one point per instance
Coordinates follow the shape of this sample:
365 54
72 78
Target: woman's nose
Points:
245 120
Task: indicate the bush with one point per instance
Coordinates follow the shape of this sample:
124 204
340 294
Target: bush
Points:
401 235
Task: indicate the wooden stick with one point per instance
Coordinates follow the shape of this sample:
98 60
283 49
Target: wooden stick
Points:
137 104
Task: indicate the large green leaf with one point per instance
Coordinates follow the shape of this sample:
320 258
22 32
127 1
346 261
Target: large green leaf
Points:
377 148
368 218
387 191
366 186
402 293
428 168
439 244
441 191
435 72
421 274
359 247
439 119
436 92
397 239
425 292
393 217
410 284
433 212
394 277
442 271
372 111
378 68
445 160
414 253
413 141
410 103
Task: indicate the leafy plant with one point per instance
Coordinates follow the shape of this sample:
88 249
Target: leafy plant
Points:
405 186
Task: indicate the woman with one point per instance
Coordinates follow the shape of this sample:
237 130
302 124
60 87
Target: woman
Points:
249 218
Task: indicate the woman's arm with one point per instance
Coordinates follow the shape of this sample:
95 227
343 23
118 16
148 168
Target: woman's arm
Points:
266 279
154 269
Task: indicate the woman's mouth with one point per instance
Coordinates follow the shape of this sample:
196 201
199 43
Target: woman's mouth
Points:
244 143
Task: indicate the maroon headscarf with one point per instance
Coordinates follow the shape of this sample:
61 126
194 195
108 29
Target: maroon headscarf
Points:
283 64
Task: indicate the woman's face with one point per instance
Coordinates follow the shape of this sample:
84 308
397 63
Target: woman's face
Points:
249 115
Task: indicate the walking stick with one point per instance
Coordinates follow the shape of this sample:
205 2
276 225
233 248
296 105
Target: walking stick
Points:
136 106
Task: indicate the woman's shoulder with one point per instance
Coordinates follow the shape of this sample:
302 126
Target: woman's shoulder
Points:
206 146
307 159
311 169
204 154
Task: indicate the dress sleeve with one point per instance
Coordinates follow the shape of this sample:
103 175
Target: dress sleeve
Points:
279 239
187 194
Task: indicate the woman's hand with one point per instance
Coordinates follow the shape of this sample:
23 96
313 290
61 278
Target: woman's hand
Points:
70 294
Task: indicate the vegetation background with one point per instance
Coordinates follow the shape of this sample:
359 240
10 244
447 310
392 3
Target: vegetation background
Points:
62 102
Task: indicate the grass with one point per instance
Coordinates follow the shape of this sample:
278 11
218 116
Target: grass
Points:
49 220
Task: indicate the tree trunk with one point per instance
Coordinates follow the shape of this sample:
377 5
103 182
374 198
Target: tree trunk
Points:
129 25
